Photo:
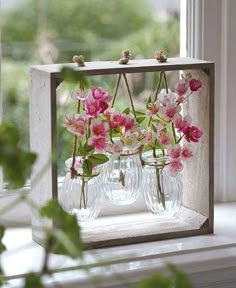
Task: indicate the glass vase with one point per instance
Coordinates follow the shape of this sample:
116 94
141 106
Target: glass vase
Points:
82 195
162 192
122 177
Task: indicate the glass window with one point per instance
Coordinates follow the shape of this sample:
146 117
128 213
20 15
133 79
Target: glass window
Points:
53 31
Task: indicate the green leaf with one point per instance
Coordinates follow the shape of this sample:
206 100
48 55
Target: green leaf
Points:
139 113
98 158
73 77
65 224
148 101
126 111
180 278
32 280
156 281
154 128
16 162
87 167
140 119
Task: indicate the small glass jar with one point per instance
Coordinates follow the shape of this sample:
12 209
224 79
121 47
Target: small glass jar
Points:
122 177
162 192
82 195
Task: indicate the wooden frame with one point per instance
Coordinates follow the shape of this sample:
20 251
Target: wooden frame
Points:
196 215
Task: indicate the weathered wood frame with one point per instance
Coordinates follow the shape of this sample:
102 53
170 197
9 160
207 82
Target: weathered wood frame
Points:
44 81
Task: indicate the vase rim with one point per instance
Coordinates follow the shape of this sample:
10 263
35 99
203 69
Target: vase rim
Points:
149 159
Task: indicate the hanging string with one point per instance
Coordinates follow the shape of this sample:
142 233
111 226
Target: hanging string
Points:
165 81
130 97
116 90
158 87
129 93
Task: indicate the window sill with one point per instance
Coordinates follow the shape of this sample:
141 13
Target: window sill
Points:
208 260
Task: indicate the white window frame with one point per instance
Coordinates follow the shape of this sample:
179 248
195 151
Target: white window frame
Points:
199 24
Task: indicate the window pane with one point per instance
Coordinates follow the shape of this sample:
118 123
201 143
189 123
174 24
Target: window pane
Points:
42 32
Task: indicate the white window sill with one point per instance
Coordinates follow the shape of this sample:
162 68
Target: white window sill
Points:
209 260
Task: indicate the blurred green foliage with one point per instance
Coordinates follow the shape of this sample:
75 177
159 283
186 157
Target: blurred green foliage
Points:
41 31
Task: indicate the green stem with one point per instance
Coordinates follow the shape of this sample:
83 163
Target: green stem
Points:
82 195
160 190
174 135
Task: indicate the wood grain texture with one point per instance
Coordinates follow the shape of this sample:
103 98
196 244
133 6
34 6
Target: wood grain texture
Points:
42 141
196 171
134 66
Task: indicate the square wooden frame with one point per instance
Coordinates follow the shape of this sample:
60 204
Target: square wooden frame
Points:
44 81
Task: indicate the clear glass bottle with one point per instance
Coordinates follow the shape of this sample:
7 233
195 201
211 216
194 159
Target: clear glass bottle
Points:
162 192
122 177
82 195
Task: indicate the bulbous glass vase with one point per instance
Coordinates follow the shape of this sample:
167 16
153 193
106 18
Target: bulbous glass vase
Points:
122 177
82 195
162 192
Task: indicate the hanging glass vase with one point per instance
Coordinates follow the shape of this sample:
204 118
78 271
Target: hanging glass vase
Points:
82 195
122 176
162 192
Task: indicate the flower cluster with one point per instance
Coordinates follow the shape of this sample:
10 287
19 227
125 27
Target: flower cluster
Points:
99 128
169 126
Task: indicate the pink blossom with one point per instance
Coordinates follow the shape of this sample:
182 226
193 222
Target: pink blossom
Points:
181 87
130 122
170 110
175 166
182 123
117 147
174 152
186 153
180 99
99 129
99 143
103 106
160 126
192 134
100 95
148 137
92 108
108 112
82 96
195 85
118 120
76 125
152 110
165 98
164 138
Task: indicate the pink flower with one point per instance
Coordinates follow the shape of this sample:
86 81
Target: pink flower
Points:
82 95
117 147
186 153
100 95
195 85
181 87
148 137
92 108
170 110
76 125
174 152
108 112
160 126
164 138
175 166
130 122
99 129
99 143
103 106
192 134
152 109
182 123
180 99
118 120
165 98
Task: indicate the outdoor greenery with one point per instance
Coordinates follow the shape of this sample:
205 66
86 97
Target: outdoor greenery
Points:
53 31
